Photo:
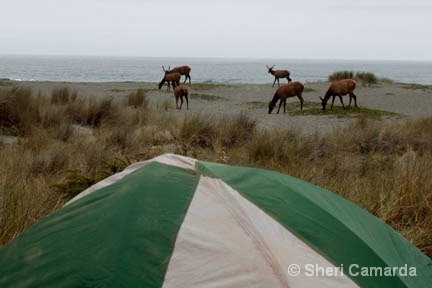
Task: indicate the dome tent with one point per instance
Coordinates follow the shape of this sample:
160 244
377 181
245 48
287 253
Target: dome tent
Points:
174 221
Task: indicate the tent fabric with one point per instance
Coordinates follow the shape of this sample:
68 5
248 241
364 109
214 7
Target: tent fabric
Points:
174 221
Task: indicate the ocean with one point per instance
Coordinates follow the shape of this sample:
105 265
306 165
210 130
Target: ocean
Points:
206 70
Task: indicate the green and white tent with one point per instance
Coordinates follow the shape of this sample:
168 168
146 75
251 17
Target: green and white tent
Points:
174 221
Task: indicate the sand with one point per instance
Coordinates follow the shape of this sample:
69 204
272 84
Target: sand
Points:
408 101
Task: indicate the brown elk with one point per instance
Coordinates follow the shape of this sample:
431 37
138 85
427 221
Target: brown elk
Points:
173 78
284 92
279 74
180 92
183 70
340 88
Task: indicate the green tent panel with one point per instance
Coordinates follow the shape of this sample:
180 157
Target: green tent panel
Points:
174 221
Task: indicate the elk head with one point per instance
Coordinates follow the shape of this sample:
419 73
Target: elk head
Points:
270 69
323 103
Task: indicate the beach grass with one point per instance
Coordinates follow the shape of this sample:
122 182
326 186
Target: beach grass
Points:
414 86
66 142
366 78
207 86
206 97
315 108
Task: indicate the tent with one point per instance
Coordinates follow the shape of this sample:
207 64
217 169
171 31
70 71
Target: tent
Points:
174 221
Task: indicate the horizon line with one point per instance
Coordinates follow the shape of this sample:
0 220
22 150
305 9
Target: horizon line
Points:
243 58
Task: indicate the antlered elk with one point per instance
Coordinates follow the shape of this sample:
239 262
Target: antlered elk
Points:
340 88
173 78
279 74
180 92
284 92
183 70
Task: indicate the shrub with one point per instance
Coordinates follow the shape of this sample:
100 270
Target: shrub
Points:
198 131
63 96
366 78
341 75
236 130
19 111
138 99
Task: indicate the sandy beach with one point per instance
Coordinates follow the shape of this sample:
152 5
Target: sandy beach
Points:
407 100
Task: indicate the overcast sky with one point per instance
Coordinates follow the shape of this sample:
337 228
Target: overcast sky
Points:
311 29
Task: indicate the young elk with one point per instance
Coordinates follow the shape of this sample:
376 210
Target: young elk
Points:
183 70
279 74
284 92
173 78
180 92
340 88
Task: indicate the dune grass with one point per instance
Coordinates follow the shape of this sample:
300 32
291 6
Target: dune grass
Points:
67 144
315 108
414 86
366 78
206 97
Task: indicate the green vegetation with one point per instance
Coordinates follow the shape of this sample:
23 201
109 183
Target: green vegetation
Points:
206 97
315 108
6 82
257 104
207 86
65 145
308 90
366 78
414 86
339 75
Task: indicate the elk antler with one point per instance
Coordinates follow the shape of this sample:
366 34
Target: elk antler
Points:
163 68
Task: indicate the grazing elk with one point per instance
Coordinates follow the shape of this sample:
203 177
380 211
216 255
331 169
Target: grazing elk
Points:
173 78
284 92
183 70
180 92
279 74
340 88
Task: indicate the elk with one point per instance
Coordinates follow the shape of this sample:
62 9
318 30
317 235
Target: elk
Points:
340 88
181 91
279 74
173 78
183 70
284 92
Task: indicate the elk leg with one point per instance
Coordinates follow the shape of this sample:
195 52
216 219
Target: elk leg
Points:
284 106
340 97
274 82
181 102
280 104
331 108
355 99
187 102
177 103
301 102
